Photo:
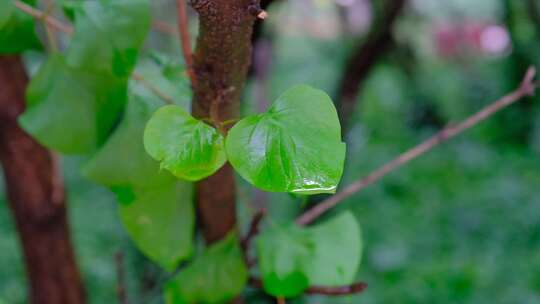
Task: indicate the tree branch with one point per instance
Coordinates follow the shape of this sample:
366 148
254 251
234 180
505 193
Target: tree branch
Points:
253 229
221 61
364 58
527 88
354 288
183 29
121 291
36 198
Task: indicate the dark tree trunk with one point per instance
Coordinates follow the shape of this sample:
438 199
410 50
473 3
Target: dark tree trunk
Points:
36 197
364 58
221 62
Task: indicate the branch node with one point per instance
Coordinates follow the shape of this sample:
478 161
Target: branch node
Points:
528 85
256 11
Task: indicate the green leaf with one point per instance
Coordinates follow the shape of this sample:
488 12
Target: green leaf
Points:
108 35
76 102
185 146
69 109
161 222
292 258
218 275
156 209
69 7
17 31
122 160
294 147
166 75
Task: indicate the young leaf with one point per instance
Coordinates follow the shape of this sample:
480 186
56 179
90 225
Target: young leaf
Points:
293 258
185 146
218 275
76 102
17 32
294 147
161 221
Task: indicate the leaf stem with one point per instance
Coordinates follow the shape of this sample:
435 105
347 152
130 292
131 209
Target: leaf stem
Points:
183 28
527 88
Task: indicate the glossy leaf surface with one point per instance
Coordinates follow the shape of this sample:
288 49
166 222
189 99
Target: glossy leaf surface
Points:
17 29
218 275
293 258
185 146
294 147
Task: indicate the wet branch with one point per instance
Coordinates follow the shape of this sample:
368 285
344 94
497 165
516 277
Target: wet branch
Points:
527 88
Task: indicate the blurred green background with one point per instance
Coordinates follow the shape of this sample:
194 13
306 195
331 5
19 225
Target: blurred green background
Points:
459 225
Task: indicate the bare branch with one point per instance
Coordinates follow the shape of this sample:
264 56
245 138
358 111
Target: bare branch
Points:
152 88
163 27
527 88
52 22
253 229
183 28
121 278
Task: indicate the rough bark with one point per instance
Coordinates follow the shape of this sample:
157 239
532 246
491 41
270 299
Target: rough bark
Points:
36 198
363 59
221 61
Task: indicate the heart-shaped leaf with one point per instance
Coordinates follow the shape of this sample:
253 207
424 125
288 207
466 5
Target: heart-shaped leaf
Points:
156 208
185 146
294 147
292 258
218 275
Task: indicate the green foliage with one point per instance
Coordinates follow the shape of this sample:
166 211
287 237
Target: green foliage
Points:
69 109
17 32
156 209
294 147
216 276
293 258
161 220
187 147
73 103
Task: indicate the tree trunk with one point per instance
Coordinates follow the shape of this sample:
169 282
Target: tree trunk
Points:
221 62
36 198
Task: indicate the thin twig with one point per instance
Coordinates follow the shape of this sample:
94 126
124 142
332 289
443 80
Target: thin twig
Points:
121 278
68 29
55 23
152 88
354 288
527 88
49 30
253 229
163 27
183 28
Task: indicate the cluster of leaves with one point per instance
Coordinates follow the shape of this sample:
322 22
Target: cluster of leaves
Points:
84 101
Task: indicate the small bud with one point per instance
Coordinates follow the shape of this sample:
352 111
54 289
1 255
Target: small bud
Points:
257 11
262 14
